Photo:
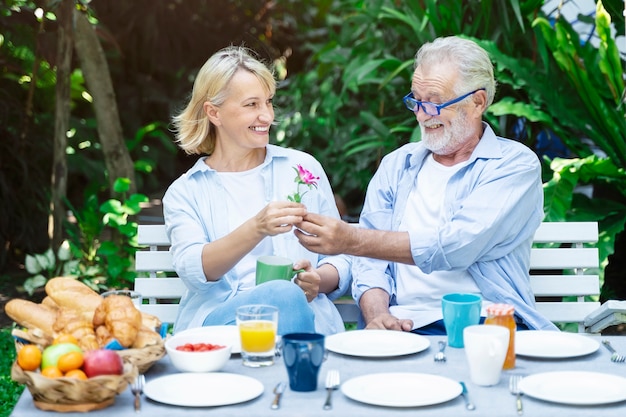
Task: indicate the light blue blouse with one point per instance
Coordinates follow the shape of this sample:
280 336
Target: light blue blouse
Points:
493 206
195 214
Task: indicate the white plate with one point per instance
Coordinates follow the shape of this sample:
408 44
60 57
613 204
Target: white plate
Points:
218 334
549 344
376 343
575 387
401 389
203 390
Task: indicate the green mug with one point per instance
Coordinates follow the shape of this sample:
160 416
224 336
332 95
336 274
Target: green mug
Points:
269 268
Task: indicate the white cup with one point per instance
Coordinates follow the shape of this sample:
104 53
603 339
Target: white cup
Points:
485 349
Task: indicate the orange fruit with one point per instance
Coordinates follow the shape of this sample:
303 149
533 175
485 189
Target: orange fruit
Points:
65 338
76 373
51 372
29 357
70 361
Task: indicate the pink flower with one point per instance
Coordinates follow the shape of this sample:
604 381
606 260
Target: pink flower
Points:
303 177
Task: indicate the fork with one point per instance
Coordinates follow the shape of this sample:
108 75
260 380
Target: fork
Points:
514 388
615 357
440 356
332 383
137 389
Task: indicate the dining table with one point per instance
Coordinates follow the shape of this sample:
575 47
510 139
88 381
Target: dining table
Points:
495 400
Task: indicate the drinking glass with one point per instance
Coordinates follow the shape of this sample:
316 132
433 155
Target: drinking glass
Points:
257 329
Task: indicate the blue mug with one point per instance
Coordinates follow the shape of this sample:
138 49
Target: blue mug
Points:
303 354
459 311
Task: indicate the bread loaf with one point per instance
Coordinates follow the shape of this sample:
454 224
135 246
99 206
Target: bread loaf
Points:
31 315
72 294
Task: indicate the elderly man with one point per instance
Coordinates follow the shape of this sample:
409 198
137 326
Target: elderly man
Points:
455 212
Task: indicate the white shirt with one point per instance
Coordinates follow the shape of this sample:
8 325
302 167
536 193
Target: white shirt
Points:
418 293
250 184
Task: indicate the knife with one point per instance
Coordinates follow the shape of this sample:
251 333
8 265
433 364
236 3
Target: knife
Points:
278 391
468 403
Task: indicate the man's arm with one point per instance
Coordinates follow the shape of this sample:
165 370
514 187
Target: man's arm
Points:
330 236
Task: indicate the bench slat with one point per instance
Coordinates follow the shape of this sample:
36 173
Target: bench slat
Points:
564 285
563 258
566 232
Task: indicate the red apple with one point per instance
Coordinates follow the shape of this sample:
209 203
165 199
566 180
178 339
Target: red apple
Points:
102 362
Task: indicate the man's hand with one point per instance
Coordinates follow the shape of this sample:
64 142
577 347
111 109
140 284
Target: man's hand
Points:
389 322
326 235
374 306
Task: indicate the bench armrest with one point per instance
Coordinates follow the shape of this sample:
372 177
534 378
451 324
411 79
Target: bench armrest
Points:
608 314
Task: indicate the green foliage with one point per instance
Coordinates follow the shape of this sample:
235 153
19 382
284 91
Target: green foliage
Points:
9 389
101 248
347 109
576 90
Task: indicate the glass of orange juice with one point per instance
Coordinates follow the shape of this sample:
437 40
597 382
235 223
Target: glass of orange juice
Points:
257 329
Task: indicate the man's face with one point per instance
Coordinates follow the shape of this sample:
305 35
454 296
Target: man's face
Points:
446 133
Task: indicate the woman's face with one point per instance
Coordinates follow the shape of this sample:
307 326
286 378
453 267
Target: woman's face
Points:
244 119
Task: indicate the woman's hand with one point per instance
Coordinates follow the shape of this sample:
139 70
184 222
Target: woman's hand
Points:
309 280
279 217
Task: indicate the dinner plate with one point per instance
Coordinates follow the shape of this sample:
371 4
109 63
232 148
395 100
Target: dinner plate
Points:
203 389
218 334
401 389
376 343
555 345
575 387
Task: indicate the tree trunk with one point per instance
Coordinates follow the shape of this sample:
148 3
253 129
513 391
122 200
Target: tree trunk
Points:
61 122
96 72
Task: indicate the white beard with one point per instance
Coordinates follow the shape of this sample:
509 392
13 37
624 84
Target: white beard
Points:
450 140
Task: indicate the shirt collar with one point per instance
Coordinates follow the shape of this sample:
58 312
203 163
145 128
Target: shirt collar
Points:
272 151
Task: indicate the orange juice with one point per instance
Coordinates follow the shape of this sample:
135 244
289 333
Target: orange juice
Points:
257 335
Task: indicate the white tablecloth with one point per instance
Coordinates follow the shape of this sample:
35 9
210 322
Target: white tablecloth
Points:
490 401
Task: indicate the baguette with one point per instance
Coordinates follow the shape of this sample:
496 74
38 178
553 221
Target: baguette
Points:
74 295
31 315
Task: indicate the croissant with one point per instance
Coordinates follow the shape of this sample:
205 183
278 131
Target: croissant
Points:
120 318
69 321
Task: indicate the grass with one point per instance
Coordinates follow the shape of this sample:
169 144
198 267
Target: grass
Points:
10 391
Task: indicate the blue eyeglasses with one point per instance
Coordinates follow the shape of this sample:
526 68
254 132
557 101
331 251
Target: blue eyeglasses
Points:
429 108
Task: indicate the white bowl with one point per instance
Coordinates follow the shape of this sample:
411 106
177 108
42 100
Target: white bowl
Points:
207 361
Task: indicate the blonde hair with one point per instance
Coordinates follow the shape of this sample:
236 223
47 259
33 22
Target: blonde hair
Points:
195 134
472 61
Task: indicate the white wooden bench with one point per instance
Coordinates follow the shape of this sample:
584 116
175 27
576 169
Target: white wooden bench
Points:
563 254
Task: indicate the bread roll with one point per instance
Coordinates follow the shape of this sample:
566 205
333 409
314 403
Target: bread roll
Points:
145 337
71 322
31 315
120 317
150 321
72 294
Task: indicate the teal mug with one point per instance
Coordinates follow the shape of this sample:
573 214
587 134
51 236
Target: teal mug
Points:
270 267
459 311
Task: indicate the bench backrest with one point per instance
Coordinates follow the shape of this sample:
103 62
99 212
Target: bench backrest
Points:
563 273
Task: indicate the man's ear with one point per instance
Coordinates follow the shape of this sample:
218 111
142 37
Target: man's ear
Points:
479 99
212 112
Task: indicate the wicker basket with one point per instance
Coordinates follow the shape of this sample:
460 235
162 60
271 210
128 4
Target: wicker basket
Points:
142 358
145 357
71 394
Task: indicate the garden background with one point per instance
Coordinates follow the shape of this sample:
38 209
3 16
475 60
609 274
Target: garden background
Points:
88 88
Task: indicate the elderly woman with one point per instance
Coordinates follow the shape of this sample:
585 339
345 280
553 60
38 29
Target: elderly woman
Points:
236 204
